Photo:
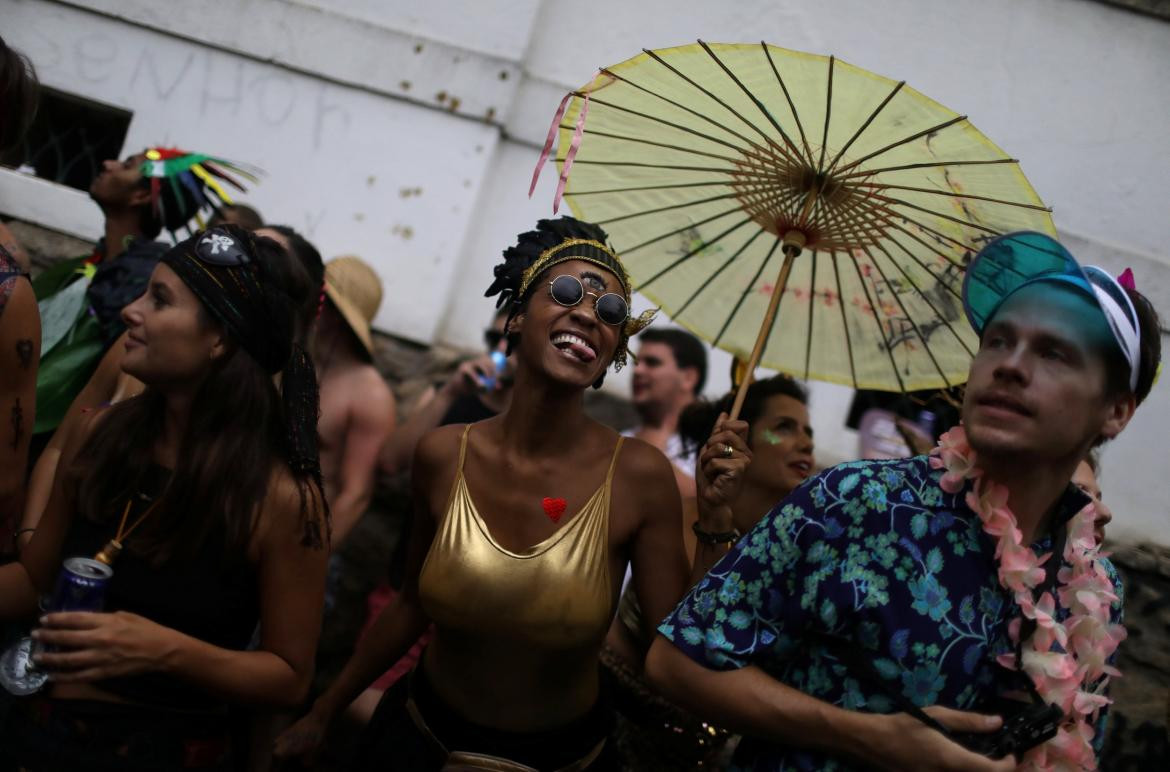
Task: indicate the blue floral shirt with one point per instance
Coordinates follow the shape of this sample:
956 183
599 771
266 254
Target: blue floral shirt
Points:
875 552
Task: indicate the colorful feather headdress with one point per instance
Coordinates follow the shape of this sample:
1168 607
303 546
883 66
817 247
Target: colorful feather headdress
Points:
184 185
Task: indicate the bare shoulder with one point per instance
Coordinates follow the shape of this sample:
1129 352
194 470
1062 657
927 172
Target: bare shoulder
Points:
641 463
73 433
644 484
88 421
438 448
369 380
20 334
288 506
18 304
367 392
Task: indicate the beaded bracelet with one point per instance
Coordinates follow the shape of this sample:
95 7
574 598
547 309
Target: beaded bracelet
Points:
723 537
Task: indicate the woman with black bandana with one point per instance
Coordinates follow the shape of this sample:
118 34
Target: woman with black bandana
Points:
204 494
524 526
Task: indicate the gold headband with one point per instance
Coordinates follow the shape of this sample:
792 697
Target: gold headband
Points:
552 256
555 255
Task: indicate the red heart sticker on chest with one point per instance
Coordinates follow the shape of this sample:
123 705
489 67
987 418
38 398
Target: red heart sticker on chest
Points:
554 508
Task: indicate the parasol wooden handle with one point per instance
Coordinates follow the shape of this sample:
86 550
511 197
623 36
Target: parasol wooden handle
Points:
793 241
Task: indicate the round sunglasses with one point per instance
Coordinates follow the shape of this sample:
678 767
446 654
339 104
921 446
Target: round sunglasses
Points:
567 290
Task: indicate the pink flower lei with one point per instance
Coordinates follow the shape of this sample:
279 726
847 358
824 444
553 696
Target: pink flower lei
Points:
1065 660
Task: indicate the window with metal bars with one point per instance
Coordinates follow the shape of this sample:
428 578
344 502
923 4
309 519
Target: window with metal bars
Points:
70 138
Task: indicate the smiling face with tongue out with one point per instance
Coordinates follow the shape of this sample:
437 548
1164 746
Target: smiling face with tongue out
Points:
569 344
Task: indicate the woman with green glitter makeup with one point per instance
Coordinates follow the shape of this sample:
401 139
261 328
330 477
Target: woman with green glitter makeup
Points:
779 435
652 732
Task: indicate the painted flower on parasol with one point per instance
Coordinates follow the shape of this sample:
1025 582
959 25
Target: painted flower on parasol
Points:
792 209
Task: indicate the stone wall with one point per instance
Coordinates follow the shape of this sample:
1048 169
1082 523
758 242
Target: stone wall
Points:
44 246
1140 718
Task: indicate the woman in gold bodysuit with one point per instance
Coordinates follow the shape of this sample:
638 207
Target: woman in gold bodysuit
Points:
523 529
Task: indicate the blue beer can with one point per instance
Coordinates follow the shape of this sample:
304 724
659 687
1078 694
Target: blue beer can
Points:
81 585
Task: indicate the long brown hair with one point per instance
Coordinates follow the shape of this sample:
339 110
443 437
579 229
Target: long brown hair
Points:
235 440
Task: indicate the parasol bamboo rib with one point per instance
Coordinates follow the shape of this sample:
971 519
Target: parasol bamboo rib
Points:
677 231
925 165
903 141
692 253
672 207
739 172
762 176
941 281
952 194
940 237
844 222
889 218
905 311
747 291
712 184
849 220
664 122
926 299
890 213
861 129
867 207
844 319
931 212
716 99
881 329
640 141
909 318
791 106
845 230
938 279
706 283
755 100
667 167
828 113
682 107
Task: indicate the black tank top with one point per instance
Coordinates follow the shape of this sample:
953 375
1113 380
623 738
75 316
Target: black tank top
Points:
210 597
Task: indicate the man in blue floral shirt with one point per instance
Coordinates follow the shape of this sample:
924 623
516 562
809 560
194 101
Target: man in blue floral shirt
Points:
878 555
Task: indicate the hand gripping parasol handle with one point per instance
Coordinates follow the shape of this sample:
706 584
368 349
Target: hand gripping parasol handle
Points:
793 242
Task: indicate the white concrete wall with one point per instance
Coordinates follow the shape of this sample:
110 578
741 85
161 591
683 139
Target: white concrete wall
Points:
406 131
357 171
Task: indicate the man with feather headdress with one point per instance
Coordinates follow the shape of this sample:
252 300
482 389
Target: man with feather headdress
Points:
81 299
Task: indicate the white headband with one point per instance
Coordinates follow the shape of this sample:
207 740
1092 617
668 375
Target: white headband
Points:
1122 318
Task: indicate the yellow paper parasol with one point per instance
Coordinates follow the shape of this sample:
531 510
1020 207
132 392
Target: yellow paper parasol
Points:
749 183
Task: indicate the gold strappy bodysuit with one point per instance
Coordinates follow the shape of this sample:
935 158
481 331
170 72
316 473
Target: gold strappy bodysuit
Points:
517 629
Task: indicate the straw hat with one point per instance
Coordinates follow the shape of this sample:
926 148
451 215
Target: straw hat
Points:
356 292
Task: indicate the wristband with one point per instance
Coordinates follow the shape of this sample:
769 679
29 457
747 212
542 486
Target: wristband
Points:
723 537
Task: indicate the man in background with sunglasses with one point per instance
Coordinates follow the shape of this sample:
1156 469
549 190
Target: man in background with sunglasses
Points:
480 388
